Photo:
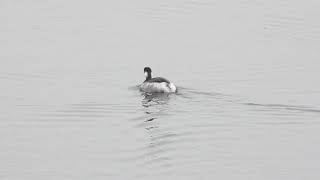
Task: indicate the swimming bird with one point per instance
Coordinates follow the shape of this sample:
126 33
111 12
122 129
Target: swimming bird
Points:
157 84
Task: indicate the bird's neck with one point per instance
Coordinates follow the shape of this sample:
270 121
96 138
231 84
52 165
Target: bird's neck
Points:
148 77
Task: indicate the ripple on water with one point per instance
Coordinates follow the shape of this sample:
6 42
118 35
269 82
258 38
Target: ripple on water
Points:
173 140
181 126
78 114
283 114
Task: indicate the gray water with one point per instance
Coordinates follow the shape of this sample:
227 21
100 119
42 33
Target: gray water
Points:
248 105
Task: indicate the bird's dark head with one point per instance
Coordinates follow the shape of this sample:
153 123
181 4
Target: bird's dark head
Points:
147 69
147 73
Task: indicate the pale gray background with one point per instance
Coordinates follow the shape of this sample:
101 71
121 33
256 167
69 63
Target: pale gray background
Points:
248 105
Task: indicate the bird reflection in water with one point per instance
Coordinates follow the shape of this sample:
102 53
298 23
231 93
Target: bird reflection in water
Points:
156 106
151 99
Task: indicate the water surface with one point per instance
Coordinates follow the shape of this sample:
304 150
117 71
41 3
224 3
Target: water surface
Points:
248 105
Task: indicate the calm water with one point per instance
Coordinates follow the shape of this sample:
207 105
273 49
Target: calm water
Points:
248 105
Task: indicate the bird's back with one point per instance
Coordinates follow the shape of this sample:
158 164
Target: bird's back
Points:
158 80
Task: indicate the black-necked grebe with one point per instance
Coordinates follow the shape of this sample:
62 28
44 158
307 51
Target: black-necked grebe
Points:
156 85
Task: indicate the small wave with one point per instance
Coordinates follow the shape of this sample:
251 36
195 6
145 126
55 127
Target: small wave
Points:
285 107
